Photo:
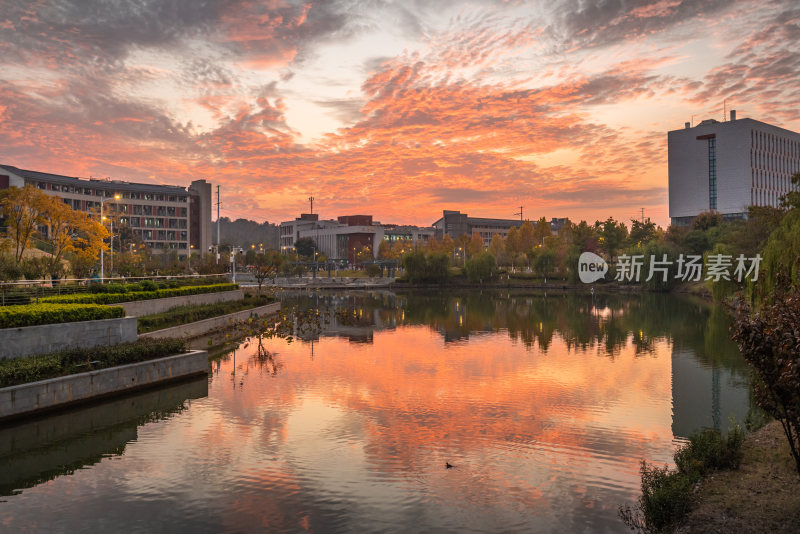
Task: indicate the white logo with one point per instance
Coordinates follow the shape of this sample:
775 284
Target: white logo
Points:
591 267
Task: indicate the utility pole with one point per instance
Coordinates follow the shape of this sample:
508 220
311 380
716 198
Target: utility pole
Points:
519 213
218 203
311 199
642 215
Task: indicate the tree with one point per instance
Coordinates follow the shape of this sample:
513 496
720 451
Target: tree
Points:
706 220
64 226
481 267
783 243
512 242
642 232
430 267
363 253
497 248
545 262
791 200
527 239
385 250
447 246
541 232
770 342
86 247
475 245
612 235
23 209
305 247
266 266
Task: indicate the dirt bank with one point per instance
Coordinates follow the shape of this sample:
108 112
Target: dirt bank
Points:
763 495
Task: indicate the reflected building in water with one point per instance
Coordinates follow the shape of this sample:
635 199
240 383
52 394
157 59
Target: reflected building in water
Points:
701 393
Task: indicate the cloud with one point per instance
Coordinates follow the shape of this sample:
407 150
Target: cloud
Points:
602 23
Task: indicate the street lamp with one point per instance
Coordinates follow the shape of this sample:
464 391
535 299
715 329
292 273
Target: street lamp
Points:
111 221
103 201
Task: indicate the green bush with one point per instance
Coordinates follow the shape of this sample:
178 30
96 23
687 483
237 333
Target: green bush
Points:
421 267
373 270
116 288
114 298
147 285
481 268
666 494
37 314
189 314
32 368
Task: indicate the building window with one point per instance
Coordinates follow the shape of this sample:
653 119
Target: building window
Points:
712 173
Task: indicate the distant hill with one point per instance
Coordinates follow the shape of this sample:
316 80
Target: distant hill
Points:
243 233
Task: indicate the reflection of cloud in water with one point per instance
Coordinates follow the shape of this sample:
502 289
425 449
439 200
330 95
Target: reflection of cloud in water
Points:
545 409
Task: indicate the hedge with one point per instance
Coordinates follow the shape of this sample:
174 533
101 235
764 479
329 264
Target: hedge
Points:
36 314
197 312
114 298
32 368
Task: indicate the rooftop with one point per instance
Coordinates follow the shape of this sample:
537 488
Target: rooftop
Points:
115 185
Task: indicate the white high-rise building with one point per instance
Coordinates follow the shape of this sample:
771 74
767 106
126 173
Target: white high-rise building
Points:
728 166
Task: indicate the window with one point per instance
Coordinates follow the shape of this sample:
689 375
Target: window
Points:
712 173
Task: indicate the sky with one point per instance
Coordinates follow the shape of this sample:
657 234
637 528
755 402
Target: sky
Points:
396 109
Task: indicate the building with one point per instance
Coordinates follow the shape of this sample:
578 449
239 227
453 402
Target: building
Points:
165 217
290 230
416 235
456 224
341 239
728 166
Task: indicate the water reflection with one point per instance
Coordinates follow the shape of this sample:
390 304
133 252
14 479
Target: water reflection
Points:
545 405
709 376
45 448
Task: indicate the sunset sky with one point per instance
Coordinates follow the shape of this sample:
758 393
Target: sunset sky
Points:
394 109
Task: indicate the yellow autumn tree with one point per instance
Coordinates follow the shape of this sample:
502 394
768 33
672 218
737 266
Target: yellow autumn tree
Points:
23 210
475 245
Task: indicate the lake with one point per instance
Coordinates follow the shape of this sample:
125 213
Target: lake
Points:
544 405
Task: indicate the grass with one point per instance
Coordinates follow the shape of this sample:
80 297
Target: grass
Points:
189 314
69 362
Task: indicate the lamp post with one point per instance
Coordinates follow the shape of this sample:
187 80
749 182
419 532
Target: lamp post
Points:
103 201
111 238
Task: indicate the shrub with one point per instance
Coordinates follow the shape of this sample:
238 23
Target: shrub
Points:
32 368
116 288
147 285
433 267
37 314
481 267
113 298
666 494
373 270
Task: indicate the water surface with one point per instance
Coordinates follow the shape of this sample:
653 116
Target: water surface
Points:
545 405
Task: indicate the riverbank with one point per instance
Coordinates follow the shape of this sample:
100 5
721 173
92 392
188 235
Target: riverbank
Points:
763 495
